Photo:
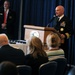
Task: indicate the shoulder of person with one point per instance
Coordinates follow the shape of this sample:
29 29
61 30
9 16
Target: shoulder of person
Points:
66 18
55 52
28 56
16 49
20 50
12 11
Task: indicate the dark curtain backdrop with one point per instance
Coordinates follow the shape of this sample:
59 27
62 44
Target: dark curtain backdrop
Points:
1 2
39 13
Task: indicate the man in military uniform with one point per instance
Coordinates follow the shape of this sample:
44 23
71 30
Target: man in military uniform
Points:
64 27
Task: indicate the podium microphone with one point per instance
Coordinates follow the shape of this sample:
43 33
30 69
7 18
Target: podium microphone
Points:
51 20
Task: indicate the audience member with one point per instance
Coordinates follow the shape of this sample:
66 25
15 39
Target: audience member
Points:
37 55
8 53
7 20
8 68
53 42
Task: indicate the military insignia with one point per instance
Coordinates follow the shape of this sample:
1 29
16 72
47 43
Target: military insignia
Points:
63 24
10 17
1 13
61 29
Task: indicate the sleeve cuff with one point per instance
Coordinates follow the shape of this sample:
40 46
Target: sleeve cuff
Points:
67 35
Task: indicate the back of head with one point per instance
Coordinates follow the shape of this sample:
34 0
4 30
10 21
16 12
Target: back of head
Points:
3 39
53 40
36 47
35 42
8 68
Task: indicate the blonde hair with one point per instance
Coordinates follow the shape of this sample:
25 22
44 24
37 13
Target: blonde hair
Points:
36 47
53 40
3 39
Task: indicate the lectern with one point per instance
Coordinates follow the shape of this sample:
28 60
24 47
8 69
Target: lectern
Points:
41 32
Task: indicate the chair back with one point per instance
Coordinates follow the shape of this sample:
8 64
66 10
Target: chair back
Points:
61 66
72 71
24 70
48 68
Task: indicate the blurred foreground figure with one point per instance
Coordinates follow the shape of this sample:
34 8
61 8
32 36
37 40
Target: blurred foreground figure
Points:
8 68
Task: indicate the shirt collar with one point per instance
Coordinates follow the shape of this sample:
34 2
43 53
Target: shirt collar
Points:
61 17
0 46
6 11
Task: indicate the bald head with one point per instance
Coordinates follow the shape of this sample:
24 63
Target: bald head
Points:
3 39
59 10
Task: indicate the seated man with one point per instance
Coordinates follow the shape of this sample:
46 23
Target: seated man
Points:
8 53
53 42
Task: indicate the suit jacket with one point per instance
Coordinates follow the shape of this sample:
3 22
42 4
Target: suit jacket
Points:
35 62
8 53
11 19
64 26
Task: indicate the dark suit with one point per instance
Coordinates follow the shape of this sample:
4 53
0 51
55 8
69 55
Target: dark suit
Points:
35 62
8 53
64 26
11 19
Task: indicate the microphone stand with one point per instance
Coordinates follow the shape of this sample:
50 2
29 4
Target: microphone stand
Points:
51 20
48 25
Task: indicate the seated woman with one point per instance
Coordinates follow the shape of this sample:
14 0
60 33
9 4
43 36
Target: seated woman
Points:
53 42
37 55
8 68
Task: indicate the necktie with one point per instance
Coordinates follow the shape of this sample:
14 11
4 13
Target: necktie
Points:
5 17
58 19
